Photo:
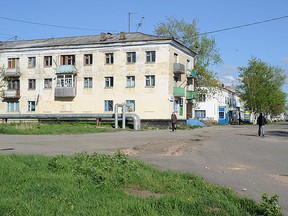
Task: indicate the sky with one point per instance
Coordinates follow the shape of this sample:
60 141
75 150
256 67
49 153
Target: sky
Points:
267 40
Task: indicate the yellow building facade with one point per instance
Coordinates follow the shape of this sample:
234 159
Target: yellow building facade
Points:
152 75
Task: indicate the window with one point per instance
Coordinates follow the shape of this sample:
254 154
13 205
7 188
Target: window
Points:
31 84
221 115
47 61
88 82
175 58
31 106
188 64
66 80
31 62
150 80
13 62
130 81
13 84
131 105
131 57
109 82
13 106
88 59
68 60
48 83
150 56
200 114
201 97
109 58
108 105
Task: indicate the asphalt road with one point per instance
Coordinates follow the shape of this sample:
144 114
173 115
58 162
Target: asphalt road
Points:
232 156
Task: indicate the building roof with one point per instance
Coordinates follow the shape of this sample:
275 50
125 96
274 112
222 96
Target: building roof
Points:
102 39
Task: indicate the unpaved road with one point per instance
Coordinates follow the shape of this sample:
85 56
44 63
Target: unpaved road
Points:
232 156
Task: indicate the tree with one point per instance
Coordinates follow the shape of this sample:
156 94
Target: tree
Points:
260 87
189 35
2 81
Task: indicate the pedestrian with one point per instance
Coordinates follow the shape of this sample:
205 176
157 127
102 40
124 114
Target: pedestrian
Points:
173 121
261 121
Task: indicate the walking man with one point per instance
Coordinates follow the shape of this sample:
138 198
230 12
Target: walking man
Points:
173 121
261 121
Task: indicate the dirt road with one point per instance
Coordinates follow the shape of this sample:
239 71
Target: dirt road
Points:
232 156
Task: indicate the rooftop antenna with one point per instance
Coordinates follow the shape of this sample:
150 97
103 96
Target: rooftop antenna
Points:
140 24
129 20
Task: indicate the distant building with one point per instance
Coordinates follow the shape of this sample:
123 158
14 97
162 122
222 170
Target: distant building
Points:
223 107
91 74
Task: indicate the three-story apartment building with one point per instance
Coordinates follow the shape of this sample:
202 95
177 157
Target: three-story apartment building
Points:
153 75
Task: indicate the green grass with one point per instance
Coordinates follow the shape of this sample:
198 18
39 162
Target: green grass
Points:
97 184
54 128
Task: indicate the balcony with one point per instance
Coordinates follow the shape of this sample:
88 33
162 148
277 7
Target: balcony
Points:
178 92
11 93
12 72
190 95
66 69
191 73
65 92
178 68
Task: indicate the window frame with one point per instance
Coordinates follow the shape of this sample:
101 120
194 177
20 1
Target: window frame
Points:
131 57
13 106
31 106
109 58
68 59
32 62
109 82
108 105
13 62
87 82
200 114
88 59
130 82
150 56
48 83
150 80
31 84
132 104
48 61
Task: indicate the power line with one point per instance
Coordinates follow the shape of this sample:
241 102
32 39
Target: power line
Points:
245 25
55 26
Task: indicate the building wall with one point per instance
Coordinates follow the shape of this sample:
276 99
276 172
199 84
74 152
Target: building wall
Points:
150 102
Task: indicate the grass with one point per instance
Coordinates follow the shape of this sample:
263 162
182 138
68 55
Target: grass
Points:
96 184
26 128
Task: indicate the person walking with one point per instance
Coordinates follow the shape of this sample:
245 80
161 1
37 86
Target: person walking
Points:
261 121
173 121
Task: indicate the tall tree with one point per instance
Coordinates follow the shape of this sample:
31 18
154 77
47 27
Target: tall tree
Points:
261 87
189 35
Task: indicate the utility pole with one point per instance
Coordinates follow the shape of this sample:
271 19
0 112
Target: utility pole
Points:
129 20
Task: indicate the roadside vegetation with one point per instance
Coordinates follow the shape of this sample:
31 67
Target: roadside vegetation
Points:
94 184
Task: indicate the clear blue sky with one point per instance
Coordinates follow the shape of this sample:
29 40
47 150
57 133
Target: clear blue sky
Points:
267 41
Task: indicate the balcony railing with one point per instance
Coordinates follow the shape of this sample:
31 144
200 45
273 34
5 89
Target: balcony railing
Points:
178 68
190 95
12 72
64 69
178 92
11 93
65 92
191 73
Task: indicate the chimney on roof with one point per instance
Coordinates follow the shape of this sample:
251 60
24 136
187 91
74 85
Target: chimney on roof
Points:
102 36
122 36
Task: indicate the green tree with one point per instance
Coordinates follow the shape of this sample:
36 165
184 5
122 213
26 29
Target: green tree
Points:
261 87
205 47
2 81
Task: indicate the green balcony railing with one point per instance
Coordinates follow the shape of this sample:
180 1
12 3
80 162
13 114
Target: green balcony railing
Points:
178 92
190 94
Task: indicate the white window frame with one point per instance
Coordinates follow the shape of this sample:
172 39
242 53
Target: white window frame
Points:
32 62
131 105
150 80
108 105
150 56
88 82
131 57
109 82
66 80
109 58
31 84
48 61
47 83
31 106
88 59
13 106
130 81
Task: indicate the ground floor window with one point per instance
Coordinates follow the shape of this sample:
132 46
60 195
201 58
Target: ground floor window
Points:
31 106
200 114
108 105
131 105
13 106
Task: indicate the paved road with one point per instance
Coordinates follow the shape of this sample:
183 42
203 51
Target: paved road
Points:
232 156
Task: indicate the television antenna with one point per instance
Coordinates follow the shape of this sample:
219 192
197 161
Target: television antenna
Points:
140 23
129 20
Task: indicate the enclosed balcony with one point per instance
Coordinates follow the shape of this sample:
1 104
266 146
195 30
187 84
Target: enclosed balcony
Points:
191 73
178 92
63 92
11 94
66 69
178 68
12 72
190 95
